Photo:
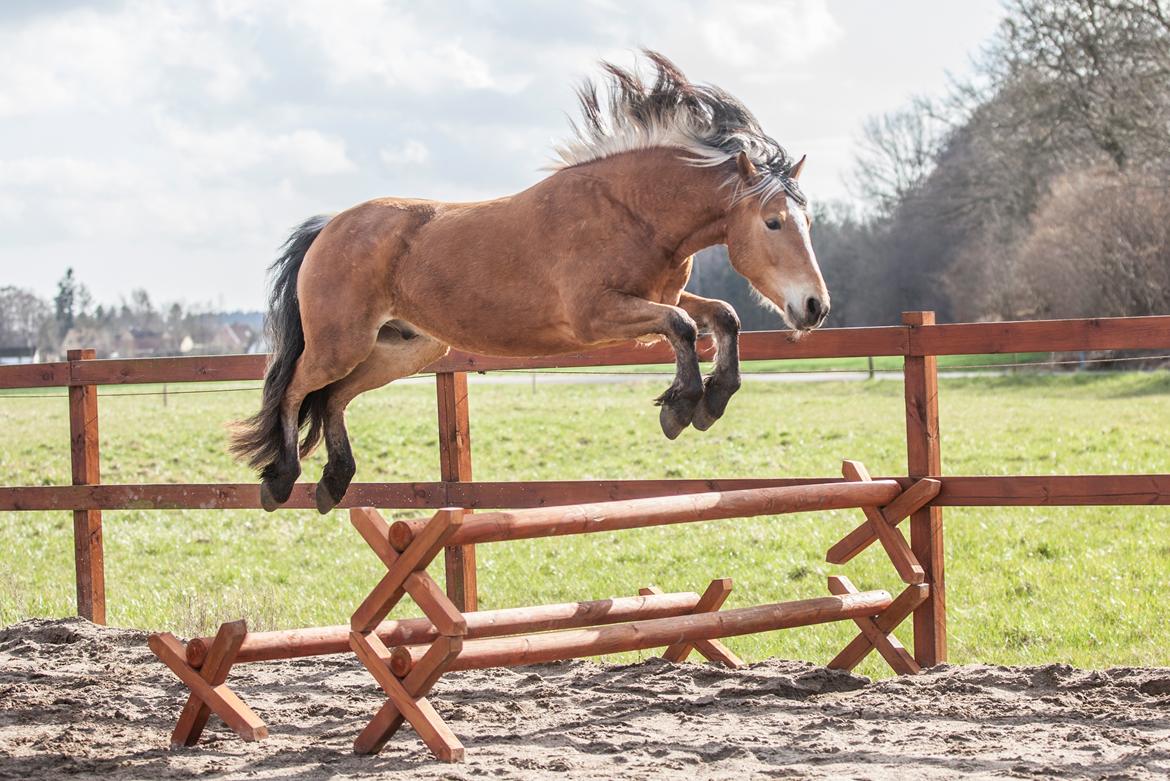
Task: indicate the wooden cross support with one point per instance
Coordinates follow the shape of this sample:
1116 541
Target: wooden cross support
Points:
877 632
208 691
406 574
715 651
881 525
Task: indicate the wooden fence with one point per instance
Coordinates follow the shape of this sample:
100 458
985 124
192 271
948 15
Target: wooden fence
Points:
918 341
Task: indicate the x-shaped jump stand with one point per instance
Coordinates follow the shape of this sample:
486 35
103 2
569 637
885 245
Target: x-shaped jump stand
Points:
406 574
882 525
208 690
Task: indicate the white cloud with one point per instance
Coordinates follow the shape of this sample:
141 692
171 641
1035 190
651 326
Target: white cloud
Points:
411 152
234 149
107 61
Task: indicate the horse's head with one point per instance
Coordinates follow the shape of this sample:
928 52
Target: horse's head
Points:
768 242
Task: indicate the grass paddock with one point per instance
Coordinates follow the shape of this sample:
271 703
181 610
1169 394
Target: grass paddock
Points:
1080 585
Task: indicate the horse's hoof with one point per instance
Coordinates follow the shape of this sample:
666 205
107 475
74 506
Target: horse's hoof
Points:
267 500
672 424
702 419
325 500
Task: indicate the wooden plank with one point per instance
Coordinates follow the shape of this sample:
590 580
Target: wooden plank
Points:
88 552
220 656
712 599
229 707
903 559
753 346
201 368
35 375
455 467
910 500
924 459
956 491
390 589
1099 333
950 339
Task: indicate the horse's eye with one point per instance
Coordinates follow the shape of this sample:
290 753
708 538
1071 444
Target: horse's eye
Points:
774 223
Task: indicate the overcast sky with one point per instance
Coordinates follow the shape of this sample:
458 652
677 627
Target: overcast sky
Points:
171 146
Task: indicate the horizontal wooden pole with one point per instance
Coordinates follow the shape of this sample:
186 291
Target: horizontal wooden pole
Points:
956 491
654 511
1043 336
320 641
640 635
1118 333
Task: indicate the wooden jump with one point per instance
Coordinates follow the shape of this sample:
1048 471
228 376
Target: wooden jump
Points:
407 657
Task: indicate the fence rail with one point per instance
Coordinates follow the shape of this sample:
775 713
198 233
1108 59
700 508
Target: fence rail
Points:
918 341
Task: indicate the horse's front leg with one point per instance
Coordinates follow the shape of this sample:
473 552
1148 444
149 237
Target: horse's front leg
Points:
615 316
722 322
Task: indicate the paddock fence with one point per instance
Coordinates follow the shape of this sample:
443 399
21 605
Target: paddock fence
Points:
919 341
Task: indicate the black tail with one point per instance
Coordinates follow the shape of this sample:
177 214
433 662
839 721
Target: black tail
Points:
258 439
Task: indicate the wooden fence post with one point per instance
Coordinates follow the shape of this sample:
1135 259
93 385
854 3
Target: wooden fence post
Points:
924 459
455 465
87 524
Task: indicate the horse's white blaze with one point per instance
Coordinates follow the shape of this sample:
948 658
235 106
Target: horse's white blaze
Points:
797 293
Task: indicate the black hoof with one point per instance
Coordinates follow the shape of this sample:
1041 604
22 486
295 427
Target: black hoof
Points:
703 419
325 500
267 500
673 419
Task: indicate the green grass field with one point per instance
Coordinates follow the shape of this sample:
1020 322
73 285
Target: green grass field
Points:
1025 585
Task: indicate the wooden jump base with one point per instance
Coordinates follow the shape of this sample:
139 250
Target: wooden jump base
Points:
407 657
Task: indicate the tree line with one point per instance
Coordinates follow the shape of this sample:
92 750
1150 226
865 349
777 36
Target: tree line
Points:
1037 189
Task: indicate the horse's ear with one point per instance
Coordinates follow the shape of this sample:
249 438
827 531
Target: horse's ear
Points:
796 169
747 169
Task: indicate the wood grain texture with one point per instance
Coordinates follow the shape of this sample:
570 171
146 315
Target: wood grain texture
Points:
924 459
455 467
324 640
640 635
84 444
220 656
638 513
956 491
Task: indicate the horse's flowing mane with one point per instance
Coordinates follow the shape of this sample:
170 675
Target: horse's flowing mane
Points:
708 124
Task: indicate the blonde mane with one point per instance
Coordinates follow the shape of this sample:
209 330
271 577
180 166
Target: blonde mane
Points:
708 124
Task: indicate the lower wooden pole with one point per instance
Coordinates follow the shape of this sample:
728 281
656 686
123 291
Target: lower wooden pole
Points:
320 641
655 633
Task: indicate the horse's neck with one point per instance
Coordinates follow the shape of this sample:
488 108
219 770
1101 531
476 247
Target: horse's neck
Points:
686 204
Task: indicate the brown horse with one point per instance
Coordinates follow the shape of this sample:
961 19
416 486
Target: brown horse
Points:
597 253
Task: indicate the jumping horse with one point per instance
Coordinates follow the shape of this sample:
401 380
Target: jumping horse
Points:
598 252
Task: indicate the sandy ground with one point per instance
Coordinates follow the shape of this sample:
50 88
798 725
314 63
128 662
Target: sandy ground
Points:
82 701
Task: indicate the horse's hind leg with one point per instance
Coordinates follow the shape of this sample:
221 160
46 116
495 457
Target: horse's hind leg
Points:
399 352
314 371
721 320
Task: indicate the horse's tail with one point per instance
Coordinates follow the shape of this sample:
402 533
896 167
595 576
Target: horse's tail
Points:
257 440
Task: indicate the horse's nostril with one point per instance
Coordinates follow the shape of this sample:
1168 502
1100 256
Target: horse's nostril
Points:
814 308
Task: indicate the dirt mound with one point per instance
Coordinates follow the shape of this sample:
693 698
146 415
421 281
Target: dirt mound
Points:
82 700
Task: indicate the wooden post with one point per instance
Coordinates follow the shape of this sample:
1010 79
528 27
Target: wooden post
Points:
455 466
87 524
924 459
